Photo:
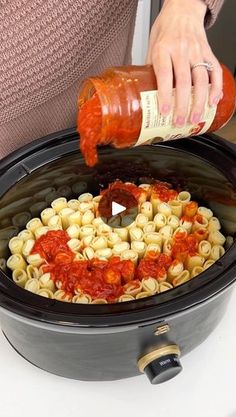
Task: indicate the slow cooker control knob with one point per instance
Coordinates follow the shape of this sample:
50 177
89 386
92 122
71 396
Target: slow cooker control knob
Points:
161 364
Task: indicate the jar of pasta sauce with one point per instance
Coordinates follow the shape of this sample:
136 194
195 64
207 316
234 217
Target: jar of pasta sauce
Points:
120 108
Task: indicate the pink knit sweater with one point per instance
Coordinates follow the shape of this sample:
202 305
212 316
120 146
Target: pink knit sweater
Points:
47 47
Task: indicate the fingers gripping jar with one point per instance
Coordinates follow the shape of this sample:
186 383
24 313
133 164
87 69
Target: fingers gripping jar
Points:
120 107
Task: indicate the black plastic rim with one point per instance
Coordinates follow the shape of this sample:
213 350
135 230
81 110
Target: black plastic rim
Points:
220 276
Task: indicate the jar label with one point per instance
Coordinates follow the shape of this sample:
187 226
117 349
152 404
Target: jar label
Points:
157 128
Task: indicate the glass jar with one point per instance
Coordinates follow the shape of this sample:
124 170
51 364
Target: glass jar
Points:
120 108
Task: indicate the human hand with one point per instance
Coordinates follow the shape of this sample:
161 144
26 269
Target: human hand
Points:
177 42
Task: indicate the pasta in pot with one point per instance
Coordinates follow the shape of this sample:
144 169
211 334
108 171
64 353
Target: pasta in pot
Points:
69 254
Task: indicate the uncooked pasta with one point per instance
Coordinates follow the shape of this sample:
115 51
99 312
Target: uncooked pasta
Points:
70 254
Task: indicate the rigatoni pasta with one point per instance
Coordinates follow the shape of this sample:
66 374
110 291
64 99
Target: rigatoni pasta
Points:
70 254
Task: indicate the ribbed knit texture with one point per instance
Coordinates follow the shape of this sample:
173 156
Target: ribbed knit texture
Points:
214 7
47 48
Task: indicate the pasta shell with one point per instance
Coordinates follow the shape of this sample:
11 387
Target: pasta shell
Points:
32 272
112 239
196 271
61 295
133 288
150 285
87 217
184 197
216 238
181 279
97 221
105 253
46 214
204 248
122 232
141 220
200 222
125 297
46 282
130 255
64 214
164 208
15 245
173 221
153 248
195 260
87 230
25 235
99 301
213 224
135 233
85 198
166 232
147 209
216 252
187 225
27 247
73 231
32 285
139 247
175 270
165 286
73 204
103 230
205 212
44 292
88 253
167 246
16 262
20 277
33 224
153 237
55 221
118 248
87 240
149 227
86 206
160 220
41 231
35 260
75 218
59 204
99 242
143 294
208 263
82 299
176 208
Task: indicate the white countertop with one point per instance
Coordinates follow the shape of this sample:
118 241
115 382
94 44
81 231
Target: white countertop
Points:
205 388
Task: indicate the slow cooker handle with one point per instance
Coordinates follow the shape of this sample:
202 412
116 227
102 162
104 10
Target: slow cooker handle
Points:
161 364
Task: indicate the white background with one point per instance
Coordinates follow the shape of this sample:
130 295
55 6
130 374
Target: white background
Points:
205 388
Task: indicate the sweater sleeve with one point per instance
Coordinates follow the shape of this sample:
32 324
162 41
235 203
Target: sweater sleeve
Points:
213 8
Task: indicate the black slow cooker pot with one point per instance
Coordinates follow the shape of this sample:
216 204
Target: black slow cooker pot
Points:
108 342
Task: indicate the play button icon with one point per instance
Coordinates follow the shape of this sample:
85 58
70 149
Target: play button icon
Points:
118 208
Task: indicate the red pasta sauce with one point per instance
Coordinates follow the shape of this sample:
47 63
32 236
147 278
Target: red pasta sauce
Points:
111 109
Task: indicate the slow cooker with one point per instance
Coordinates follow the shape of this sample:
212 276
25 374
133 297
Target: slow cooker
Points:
114 341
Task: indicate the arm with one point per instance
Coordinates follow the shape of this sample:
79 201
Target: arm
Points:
177 42
213 8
